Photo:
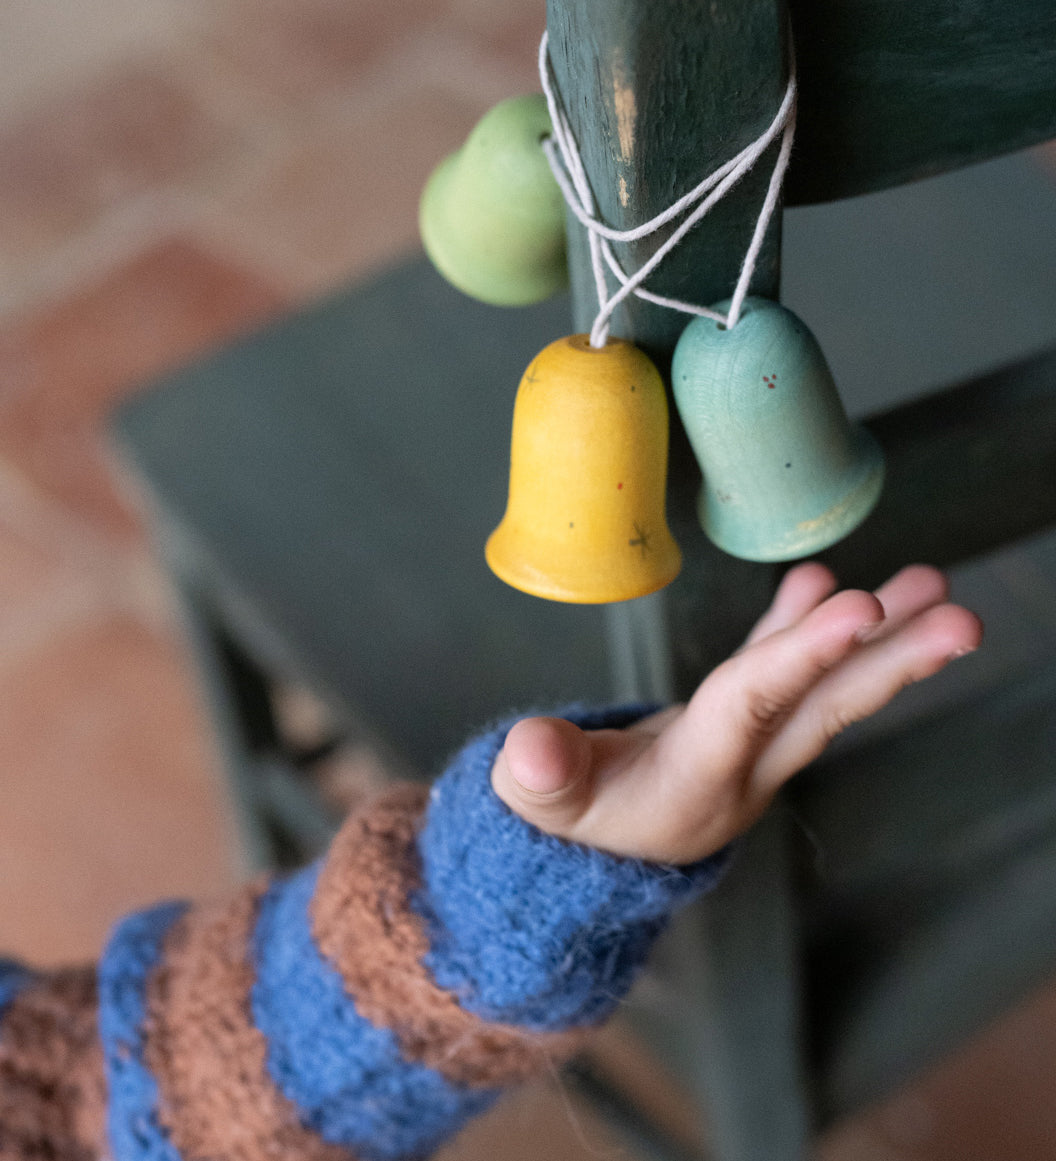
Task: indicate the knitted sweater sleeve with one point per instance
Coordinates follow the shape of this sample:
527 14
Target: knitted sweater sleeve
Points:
366 1007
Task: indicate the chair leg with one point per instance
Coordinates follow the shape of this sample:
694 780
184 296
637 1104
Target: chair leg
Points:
734 1032
281 821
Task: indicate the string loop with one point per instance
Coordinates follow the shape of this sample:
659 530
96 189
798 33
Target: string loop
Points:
563 155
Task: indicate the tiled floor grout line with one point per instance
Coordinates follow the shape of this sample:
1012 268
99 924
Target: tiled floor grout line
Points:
111 240
57 612
434 58
183 205
33 512
103 578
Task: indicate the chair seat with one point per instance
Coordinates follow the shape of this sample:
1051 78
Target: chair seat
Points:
330 483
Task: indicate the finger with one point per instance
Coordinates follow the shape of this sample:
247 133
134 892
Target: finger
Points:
909 592
655 724
589 786
801 589
542 772
746 701
865 683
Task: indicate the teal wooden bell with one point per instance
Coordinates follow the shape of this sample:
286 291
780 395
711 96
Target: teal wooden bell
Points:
492 217
785 472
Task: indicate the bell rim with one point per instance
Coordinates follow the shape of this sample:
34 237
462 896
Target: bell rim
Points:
851 512
539 583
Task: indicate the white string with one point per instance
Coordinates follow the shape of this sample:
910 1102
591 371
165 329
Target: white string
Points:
563 155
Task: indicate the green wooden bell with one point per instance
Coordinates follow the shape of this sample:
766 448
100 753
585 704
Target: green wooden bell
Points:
492 217
785 472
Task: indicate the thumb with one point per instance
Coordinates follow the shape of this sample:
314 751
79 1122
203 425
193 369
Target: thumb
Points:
544 773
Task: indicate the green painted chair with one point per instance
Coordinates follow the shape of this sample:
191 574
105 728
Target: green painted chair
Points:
803 995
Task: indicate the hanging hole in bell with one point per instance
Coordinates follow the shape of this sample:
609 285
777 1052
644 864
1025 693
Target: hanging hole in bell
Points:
720 326
583 343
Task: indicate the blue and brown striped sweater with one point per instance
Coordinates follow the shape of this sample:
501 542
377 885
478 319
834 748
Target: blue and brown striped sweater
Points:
366 1007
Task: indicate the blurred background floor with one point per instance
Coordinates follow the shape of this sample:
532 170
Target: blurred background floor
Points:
173 173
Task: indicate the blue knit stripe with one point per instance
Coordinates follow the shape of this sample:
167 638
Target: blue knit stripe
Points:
526 928
133 951
347 1078
14 976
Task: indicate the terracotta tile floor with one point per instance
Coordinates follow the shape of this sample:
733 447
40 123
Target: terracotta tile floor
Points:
173 172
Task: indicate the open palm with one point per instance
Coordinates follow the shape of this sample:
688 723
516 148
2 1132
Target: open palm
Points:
682 783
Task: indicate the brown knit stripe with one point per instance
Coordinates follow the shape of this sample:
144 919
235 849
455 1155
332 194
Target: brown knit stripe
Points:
209 1060
52 1081
363 923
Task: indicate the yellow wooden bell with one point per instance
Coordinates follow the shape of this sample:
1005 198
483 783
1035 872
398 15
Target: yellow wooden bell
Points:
585 517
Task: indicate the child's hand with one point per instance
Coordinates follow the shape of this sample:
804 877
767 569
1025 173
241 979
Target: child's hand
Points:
679 785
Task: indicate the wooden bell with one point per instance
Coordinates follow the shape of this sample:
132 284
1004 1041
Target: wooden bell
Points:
785 472
492 218
585 518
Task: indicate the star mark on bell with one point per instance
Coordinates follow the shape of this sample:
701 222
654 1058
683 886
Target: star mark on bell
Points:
641 538
530 376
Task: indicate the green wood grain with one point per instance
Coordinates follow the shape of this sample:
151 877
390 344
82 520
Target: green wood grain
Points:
658 95
706 81
892 90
